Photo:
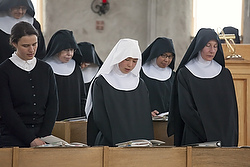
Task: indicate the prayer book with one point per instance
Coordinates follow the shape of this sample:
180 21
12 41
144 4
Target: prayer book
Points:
53 141
140 143
207 144
161 117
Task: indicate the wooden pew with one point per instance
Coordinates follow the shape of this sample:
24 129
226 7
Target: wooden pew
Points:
5 157
160 132
58 157
75 131
223 157
146 156
123 157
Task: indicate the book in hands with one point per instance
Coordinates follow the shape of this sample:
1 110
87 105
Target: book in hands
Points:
161 117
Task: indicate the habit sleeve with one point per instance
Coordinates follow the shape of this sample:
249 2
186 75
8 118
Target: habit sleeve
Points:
188 110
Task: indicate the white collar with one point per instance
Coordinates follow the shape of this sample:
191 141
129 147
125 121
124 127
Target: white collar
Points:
60 68
89 72
152 70
121 81
26 65
7 22
202 68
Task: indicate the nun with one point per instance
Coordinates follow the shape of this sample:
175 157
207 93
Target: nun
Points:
12 12
118 101
203 102
71 89
90 63
157 72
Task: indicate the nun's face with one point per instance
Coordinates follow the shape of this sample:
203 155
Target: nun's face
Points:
18 11
127 65
164 60
209 51
65 55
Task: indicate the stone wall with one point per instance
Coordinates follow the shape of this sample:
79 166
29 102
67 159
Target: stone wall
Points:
143 20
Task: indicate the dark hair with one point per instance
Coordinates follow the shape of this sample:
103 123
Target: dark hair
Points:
21 29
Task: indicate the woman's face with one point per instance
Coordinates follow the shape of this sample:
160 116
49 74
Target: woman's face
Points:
164 60
18 12
127 65
65 55
26 47
209 51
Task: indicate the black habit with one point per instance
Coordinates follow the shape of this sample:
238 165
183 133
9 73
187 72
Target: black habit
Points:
71 89
203 109
117 106
89 55
159 90
122 116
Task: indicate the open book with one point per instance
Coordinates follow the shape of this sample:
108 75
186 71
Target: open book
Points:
140 143
53 141
75 119
207 144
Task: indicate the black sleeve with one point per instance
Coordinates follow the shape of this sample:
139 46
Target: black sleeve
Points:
83 94
100 114
51 107
188 110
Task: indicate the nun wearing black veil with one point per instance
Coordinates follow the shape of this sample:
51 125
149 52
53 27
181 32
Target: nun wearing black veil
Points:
12 12
203 104
157 72
118 101
90 63
71 89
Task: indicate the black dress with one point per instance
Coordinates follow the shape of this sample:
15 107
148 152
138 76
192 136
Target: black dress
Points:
203 112
28 103
159 89
203 105
120 115
71 88
159 92
71 93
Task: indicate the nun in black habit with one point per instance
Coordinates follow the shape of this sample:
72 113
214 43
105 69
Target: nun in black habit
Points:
203 104
71 89
118 101
12 12
157 72
90 63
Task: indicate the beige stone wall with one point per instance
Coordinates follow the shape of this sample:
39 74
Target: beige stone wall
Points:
143 20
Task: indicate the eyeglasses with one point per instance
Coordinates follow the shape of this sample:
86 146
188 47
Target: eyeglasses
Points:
167 56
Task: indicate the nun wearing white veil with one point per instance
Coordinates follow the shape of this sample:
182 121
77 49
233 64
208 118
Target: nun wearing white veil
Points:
118 107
